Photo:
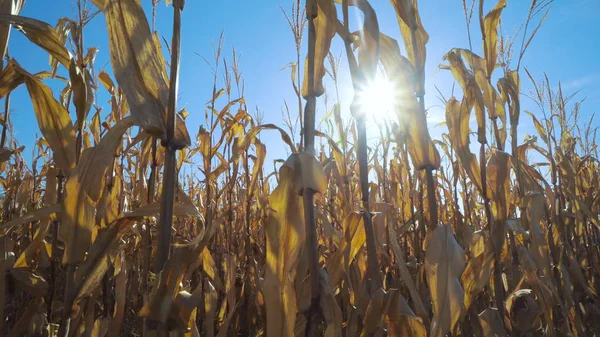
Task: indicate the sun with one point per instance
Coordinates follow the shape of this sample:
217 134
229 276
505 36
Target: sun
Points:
377 98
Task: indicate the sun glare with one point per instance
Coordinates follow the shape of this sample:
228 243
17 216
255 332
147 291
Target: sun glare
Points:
377 99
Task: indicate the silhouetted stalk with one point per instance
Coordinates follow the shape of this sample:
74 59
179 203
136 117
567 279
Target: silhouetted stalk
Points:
313 313
147 234
169 178
54 262
5 125
374 280
5 215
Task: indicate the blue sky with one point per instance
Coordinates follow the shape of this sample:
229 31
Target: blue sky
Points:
566 49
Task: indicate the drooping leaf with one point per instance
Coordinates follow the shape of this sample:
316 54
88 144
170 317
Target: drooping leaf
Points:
490 30
325 21
285 235
444 264
83 190
12 7
53 120
41 34
140 69
402 320
415 38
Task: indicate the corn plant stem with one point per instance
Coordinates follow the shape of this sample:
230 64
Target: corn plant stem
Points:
168 191
54 262
65 325
498 285
5 126
374 276
169 175
3 238
312 321
147 234
248 247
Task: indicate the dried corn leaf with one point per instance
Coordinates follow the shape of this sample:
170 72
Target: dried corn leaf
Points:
12 7
478 271
354 239
325 22
54 122
401 319
83 190
41 34
444 264
30 253
285 236
490 31
139 68
415 38
457 120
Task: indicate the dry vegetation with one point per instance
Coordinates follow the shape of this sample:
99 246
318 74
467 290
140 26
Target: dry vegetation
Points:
100 235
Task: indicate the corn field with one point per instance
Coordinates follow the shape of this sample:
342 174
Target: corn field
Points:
103 233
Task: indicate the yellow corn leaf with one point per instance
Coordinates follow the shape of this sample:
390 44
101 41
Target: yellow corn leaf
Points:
210 307
354 239
368 46
210 268
158 309
41 34
398 68
285 235
444 264
108 207
261 153
498 179
31 251
401 318
51 186
415 38
140 69
12 7
478 271
82 92
510 87
471 90
535 206
457 120
539 128
422 149
491 98
10 78
490 31
332 313
54 122
83 190
325 23
242 143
